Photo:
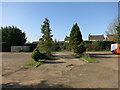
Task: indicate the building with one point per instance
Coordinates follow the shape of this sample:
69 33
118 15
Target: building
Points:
35 42
66 39
96 37
60 41
109 37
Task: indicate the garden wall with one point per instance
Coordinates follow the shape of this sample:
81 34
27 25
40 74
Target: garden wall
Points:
20 48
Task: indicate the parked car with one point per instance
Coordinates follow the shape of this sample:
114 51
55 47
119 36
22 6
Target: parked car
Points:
115 48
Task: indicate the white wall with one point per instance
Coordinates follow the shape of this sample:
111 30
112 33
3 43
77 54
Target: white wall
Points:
17 48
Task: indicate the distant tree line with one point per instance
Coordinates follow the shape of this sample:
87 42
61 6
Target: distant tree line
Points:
89 45
13 36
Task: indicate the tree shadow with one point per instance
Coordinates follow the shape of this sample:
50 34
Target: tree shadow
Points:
53 58
102 54
98 55
43 85
51 62
66 56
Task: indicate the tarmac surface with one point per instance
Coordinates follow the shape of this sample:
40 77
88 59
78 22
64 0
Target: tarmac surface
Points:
64 71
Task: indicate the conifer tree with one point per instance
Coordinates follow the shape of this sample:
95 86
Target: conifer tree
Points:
75 38
46 42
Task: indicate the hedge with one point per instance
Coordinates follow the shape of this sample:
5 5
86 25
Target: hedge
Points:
62 46
98 45
32 46
90 45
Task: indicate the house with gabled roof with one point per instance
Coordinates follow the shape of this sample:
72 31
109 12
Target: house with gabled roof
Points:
66 39
96 37
109 37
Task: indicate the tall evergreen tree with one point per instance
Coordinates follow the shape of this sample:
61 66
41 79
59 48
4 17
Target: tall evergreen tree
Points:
75 37
12 36
46 42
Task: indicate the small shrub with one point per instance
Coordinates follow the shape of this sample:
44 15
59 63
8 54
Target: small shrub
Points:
62 46
36 55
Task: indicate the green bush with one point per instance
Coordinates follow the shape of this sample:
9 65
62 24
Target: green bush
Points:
80 49
62 46
95 46
36 55
57 47
32 47
98 45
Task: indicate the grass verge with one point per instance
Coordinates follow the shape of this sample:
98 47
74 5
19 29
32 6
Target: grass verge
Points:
34 63
89 60
86 58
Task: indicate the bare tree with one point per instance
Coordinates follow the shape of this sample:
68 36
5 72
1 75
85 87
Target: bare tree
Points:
112 30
